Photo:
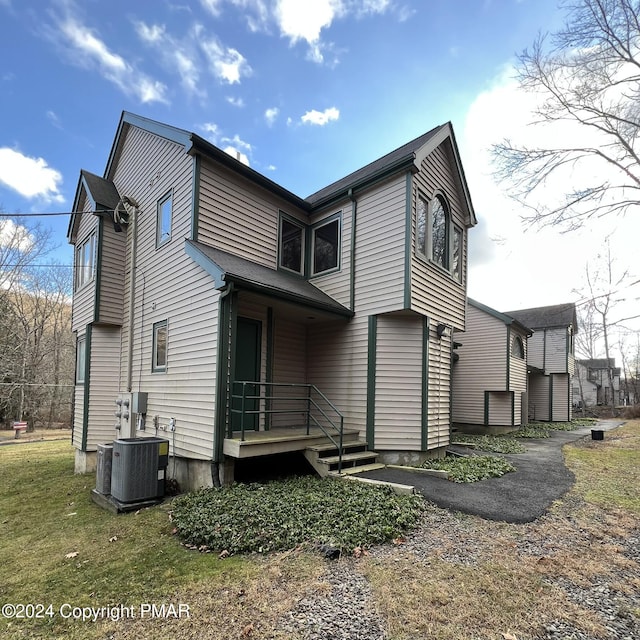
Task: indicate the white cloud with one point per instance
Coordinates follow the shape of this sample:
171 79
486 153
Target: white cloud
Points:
214 7
212 131
235 101
52 116
84 47
237 154
15 238
32 178
226 63
271 114
238 143
320 118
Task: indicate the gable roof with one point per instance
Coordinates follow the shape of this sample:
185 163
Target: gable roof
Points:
507 319
225 268
559 315
102 193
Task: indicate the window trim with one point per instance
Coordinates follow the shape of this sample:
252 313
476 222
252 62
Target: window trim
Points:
81 267
336 217
167 197
517 340
155 367
303 244
81 359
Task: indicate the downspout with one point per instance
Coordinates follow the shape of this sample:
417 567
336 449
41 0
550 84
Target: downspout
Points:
352 267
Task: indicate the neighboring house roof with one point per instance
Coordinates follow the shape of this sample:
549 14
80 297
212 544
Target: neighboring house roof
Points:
507 319
225 268
559 315
597 363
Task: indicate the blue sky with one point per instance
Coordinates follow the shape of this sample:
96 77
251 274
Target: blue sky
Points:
305 91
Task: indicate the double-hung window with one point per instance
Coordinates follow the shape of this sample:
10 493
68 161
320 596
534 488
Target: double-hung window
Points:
159 354
85 261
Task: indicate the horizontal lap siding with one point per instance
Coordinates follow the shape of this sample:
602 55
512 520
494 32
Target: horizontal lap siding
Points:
439 392
78 415
500 408
338 284
539 397
111 278
398 407
535 349
556 351
561 398
170 286
239 217
380 248
337 365
481 365
105 342
433 291
518 384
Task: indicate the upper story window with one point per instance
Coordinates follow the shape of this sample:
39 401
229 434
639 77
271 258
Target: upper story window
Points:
517 347
326 246
163 222
159 355
85 261
291 254
437 239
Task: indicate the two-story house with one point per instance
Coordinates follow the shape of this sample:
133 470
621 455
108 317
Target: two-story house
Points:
490 372
550 360
596 382
238 319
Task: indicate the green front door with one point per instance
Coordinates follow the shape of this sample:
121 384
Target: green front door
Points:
247 367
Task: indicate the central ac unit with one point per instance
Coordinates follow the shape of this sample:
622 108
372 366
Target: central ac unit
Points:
138 470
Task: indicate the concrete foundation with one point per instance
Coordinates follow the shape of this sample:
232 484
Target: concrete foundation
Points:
192 475
409 458
85 461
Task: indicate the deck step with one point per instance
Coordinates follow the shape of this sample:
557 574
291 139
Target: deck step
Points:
349 457
374 466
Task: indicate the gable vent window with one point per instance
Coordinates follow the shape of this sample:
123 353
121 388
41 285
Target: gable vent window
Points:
326 241
163 226
291 246
517 348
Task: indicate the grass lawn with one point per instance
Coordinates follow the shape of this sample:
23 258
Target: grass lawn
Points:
464 577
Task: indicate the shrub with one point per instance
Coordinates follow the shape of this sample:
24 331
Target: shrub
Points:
287 513
470 468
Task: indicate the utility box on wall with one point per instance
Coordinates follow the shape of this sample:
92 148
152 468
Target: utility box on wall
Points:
139 468
139 402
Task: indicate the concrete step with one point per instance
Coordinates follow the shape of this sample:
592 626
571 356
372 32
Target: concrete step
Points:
359 469
329 447
400 489
349 458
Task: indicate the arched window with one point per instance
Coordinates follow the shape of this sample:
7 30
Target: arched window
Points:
517 347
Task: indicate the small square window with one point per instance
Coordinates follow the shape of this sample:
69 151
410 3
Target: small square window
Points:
326 247
163 227
291 246
159 356
81 359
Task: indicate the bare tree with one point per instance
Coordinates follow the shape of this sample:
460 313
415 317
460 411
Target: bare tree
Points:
585 79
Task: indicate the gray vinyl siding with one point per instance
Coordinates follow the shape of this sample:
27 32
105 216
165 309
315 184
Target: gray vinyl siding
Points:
561 409
481 365
539 397
518 383
556 350
171 287
398 406
500 408
83 308
338 284
439 392
238 217
434 292
536 349
105 342
380 248
111 276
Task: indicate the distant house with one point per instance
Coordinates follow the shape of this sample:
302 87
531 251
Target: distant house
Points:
238 319
592 384
550 360
490 371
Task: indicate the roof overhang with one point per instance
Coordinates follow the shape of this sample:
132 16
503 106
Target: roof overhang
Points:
226 268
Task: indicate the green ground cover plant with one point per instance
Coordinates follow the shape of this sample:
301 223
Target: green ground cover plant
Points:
297 511
470 468
491 443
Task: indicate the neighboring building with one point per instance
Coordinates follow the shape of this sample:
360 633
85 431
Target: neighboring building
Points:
490 372
195 274
591 384
550 360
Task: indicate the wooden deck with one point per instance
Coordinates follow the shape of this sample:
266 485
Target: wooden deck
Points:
280 440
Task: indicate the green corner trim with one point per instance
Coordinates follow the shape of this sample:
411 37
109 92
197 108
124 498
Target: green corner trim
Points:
425 386
195 197
508 358
269 364
486 408
408 255
513 408
222 375
551 398
371 380
97 280
87 387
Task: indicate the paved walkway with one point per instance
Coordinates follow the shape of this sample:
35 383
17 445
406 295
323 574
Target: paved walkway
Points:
541 477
